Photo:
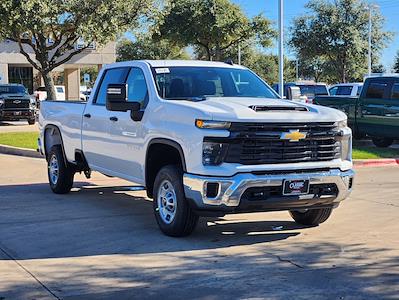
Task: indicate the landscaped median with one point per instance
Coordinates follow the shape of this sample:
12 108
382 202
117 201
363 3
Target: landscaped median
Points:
364 155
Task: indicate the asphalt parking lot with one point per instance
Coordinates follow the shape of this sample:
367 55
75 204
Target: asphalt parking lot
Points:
18 126
102 242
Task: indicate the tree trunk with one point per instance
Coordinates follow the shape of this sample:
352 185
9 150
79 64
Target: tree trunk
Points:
49 84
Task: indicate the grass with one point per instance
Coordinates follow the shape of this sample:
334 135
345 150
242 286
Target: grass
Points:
20 139
29 140
371 152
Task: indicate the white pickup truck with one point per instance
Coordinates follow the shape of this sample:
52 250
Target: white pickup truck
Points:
204 139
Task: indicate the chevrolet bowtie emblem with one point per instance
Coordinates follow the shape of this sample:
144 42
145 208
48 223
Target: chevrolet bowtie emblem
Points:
293 136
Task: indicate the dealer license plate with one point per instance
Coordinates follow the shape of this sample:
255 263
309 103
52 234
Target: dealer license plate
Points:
295 187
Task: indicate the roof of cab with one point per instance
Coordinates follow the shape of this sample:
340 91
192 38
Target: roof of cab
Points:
177 63
190 63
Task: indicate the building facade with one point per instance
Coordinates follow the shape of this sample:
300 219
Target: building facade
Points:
15 68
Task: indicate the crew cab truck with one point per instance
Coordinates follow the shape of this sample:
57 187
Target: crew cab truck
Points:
204 139
375 113
16 104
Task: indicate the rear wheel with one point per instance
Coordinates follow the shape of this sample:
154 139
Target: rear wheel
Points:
172 211
60 173
382 142
312 216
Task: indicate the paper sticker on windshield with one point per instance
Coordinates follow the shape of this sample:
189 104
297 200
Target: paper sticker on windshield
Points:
162 70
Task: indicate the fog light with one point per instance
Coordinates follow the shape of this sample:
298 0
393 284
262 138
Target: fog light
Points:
212 189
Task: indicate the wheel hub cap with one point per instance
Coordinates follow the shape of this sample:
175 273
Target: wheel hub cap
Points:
53 169
167 202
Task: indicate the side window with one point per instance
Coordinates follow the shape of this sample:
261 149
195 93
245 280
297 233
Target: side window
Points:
333 91
395 90
359 90
376 90
137 87
117 75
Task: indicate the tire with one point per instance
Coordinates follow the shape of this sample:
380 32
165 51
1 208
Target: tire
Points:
60 174
382 142
32 121
311 217
169 200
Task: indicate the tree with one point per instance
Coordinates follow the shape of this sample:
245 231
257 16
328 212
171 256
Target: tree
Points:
52 28
145 47
336 34
396 64
212 27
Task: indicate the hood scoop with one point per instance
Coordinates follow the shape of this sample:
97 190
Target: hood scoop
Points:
262 108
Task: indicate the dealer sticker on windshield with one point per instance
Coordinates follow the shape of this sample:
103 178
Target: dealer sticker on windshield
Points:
162 70
295 187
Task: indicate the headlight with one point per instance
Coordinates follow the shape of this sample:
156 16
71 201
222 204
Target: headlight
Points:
1 101
213 153
204 124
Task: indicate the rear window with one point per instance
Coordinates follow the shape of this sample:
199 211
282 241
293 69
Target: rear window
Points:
344 90
60 90
376 90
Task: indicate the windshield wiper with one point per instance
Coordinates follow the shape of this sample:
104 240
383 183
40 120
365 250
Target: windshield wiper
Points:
195 99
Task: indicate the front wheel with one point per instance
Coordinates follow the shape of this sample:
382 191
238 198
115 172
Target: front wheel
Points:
172 211
60 173
31 121
311 217
382 142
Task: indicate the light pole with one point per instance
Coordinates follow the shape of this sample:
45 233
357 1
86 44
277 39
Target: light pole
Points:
281 48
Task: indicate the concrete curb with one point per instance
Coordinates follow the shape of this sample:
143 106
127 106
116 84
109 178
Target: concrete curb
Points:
360 163
4 149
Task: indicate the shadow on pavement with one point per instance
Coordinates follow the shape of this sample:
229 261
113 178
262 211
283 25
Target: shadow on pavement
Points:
107 245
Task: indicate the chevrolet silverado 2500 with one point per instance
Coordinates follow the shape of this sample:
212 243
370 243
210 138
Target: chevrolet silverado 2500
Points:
204 139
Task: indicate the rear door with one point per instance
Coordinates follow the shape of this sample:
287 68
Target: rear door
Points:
392 110
374 116
97 142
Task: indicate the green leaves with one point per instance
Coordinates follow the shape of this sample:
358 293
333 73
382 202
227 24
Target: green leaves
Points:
333 38
211 26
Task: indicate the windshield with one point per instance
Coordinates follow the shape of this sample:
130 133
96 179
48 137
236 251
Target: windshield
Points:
197 83
12 89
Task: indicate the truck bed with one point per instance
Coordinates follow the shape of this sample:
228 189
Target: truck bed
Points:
345 104
67 116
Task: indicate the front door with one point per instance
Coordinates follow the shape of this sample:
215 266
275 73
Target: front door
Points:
97 143
128 134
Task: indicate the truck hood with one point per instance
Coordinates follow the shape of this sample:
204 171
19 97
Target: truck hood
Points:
264 110
14 96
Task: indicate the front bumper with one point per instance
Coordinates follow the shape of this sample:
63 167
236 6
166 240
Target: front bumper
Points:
16 115
229 195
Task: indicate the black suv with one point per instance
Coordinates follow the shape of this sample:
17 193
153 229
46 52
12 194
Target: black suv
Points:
16 104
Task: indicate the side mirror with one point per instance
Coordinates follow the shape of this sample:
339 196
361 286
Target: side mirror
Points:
294 93
117 98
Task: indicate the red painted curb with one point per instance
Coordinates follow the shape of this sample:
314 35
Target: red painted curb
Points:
376 162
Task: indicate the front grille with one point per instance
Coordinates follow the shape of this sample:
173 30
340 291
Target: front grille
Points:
16 104
260 143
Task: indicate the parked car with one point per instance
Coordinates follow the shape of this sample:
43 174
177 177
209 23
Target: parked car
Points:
41 93
16 104
375 113
346 89
308 89
204 139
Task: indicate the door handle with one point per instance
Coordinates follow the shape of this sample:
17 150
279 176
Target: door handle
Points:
113 119
87 116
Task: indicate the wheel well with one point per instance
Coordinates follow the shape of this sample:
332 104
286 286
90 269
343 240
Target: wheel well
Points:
160 154
52 137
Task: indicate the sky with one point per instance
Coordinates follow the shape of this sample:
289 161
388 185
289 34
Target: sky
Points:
294 8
